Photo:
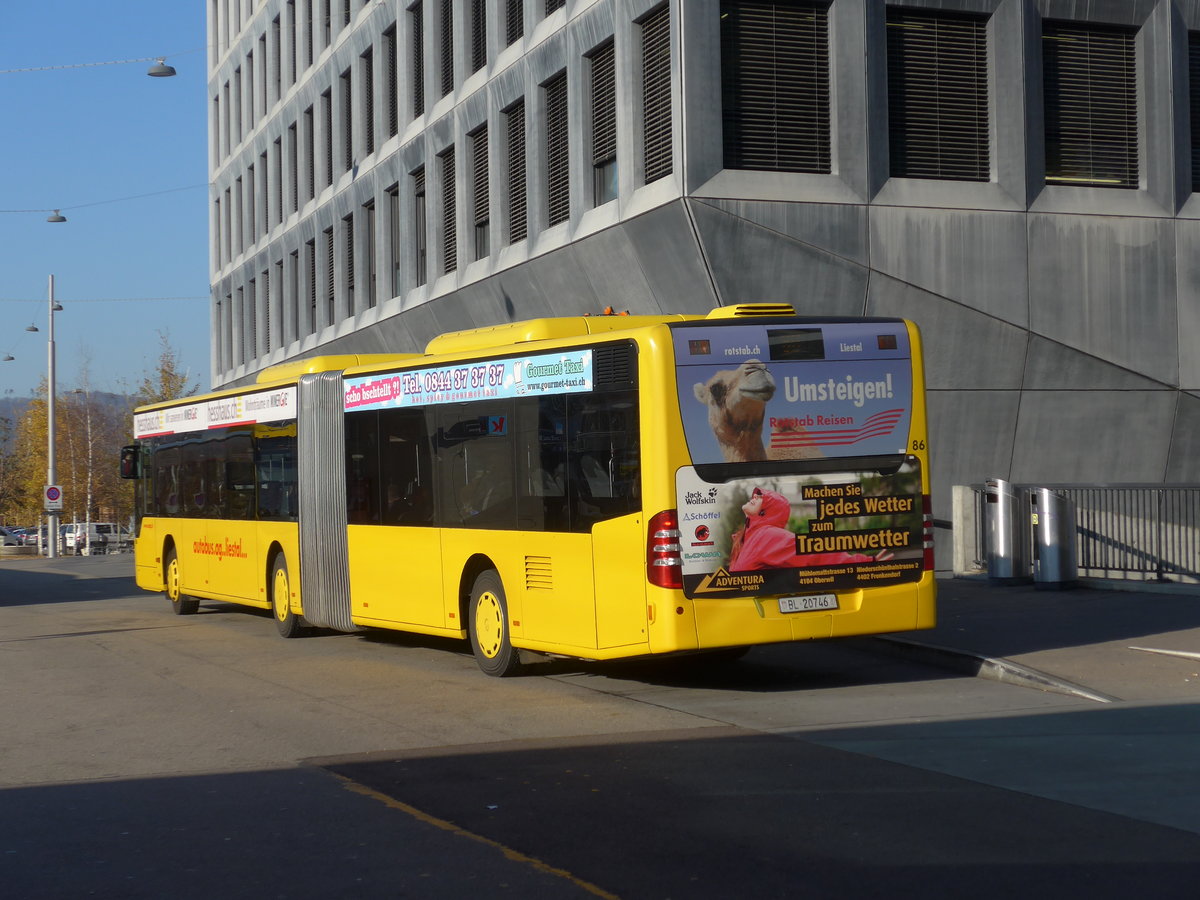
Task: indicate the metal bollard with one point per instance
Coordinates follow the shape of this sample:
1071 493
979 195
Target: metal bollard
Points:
1054 558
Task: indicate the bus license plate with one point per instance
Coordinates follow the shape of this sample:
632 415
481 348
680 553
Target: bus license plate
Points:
808 604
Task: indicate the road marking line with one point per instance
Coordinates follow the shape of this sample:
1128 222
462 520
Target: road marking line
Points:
509 853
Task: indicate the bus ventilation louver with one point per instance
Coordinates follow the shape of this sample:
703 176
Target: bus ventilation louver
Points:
539 575
745 310
612 366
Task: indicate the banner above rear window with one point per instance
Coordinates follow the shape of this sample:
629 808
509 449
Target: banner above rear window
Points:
749 393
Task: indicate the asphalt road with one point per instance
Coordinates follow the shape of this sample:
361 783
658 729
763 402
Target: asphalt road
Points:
148 755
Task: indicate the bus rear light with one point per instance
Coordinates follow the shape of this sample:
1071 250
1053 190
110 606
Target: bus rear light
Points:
927 531
664 560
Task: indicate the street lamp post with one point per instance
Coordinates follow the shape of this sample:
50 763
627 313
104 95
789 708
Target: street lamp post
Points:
87 515
52 515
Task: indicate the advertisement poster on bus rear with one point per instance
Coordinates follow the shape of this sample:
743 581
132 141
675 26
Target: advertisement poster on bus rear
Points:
752 393
799 534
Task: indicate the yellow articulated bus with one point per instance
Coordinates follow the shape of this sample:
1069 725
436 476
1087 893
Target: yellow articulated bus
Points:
596 487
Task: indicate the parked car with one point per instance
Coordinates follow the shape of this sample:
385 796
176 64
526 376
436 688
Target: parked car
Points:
101 536
8 539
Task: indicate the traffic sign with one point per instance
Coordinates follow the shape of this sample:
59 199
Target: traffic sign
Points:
52 494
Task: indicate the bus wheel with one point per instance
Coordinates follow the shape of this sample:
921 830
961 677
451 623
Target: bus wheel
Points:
181 603
286 621
488 620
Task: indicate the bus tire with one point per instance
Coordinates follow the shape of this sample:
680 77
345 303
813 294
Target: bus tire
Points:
289 624
181 603
487 618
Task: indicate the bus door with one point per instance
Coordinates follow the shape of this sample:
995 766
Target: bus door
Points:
234 565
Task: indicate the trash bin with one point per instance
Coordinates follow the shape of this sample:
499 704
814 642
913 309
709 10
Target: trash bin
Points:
1054 562
1007 510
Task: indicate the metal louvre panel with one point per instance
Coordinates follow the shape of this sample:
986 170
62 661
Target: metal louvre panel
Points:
604 105
447 47
368 102
775 85
937 95
347 121
1091 104
656 93
390 81
418 59
478 35
1194 98
321 470
479 174
514 21
558 173
554 5
517 204
614 366
449 213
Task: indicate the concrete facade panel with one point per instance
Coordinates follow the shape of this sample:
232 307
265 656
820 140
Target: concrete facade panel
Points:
1183 463
1092 436
1187 233
976 258
964 349
751 264
963 443
1106 285
1051 366
837 227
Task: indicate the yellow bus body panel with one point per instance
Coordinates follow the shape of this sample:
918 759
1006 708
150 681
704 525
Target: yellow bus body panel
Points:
394 579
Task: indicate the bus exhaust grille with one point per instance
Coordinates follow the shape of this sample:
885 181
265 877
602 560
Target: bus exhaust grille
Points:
538 574
613 366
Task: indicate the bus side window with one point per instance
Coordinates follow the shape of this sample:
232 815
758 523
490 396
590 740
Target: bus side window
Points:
404 467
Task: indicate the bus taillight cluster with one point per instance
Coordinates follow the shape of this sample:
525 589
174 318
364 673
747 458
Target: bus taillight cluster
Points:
664 564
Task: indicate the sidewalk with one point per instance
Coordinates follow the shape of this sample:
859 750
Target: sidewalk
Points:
1077 641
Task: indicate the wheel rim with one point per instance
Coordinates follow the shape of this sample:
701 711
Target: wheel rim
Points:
489 624
173 580
279 594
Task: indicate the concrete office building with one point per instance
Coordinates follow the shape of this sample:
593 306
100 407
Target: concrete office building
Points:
1016 175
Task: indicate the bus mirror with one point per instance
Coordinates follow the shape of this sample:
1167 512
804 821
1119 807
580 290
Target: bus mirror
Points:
129 461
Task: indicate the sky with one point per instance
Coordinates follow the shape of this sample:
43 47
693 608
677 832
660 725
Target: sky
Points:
124 157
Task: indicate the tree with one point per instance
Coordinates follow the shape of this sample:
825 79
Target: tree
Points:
167 381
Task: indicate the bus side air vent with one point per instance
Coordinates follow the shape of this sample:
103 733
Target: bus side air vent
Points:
752 309
539 575
613 367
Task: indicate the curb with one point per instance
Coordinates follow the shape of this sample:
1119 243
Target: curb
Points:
979 666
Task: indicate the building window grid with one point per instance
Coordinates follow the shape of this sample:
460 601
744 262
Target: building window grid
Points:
369 246
420 234
604 123
391 85
478 35
327 119
449 212
417 20
447 46
310 253
1090 96
368 101
279 175
393 195
348 243
480 202
518 213
558 168
1194 104
775 86
514 21
294 165
656 94
347 83
330 282
937 95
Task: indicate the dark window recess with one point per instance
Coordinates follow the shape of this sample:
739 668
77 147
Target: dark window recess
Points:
604 125
1090 85
558 171
392 103
514 21
478 35
418 59
420 246
554 5
447 47
449 213
937 95
656 93
1194 97
514 118
775 85
479 193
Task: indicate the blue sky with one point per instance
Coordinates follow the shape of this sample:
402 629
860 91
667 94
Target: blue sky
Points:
86 139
